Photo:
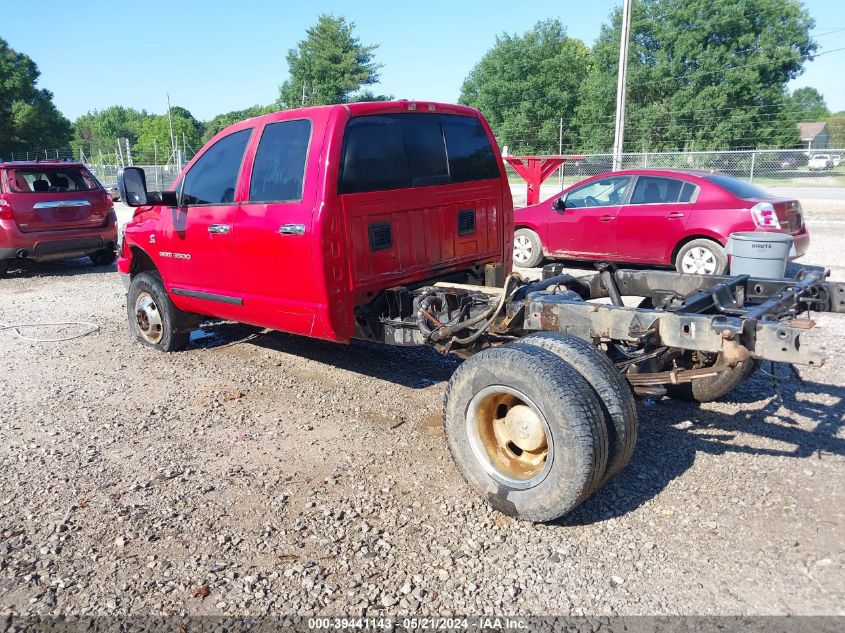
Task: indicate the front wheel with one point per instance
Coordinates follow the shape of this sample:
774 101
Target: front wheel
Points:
527 248
702 257
4 267
526 431
153 319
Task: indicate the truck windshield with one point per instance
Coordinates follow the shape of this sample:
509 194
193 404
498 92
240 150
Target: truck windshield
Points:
40 179
397 151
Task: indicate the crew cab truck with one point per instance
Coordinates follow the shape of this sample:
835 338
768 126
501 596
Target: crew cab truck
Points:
393 222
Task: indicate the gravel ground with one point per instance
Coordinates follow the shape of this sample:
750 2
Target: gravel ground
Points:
260 472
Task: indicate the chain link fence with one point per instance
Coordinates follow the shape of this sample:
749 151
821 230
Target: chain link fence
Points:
773 168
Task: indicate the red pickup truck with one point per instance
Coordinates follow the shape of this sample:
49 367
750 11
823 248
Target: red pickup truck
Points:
393 222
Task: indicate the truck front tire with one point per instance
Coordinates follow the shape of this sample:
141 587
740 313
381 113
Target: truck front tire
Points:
525 431
611 389
153 319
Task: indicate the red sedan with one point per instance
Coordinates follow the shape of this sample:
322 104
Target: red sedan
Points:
671 217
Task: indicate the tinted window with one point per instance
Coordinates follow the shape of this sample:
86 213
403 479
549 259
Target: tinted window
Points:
374 155
36 180
471 156
279 169
737 187
656 190
605 192
396 151
212 179
426 151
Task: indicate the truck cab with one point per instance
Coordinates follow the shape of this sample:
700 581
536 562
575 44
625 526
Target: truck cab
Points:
299 220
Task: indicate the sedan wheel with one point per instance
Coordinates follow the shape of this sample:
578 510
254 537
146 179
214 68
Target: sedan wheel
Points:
527 249
702 257
699 261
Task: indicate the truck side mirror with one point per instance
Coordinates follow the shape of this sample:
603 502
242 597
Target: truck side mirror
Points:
559 204
132 183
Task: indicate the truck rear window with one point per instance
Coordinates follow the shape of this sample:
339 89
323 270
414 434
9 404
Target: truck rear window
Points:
57 179
397 151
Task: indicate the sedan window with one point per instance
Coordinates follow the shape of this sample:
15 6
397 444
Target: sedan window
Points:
657 190
606 192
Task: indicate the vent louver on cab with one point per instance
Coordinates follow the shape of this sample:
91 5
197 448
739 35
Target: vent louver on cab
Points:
380 236
466 221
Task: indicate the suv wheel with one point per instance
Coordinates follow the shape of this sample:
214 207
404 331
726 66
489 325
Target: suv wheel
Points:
105 257
153 319
527 249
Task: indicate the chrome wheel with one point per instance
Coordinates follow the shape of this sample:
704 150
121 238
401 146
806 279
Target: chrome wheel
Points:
509 436
148 317
523 250
699 261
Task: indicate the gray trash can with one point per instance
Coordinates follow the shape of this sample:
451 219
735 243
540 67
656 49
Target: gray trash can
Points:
760 254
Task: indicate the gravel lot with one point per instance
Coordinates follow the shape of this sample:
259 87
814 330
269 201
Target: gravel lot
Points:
260 472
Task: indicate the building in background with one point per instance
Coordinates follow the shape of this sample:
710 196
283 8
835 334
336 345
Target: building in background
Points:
813 135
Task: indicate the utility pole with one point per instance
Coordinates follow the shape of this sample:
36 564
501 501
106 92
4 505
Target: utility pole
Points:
560 153
621 86
173 147
128 153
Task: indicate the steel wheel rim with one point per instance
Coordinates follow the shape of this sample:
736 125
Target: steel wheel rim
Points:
522 249
509 437
699 260
148 318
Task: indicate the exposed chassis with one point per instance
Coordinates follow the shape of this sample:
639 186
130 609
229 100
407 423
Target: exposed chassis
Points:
732 318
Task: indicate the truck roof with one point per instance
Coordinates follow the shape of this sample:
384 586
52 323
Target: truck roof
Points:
364 108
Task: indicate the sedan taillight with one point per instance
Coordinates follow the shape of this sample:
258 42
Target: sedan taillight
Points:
764 216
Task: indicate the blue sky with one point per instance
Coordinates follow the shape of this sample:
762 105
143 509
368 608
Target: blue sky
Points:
214 56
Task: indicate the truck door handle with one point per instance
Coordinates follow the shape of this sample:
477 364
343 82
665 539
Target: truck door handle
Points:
292 229
675 214
607 218
218 229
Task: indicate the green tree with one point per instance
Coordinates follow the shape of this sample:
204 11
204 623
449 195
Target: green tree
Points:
703 75
527 83
28 118
807 104
222 121
98 131
836 130
154 141
328 65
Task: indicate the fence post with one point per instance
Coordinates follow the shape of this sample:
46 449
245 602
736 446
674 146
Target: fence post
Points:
751 177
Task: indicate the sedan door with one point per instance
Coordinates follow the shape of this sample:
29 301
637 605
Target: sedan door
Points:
586 227
653 221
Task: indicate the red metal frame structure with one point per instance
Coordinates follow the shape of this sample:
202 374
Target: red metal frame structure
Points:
535 170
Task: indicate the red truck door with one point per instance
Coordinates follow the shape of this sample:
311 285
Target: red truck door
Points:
197 248
274 228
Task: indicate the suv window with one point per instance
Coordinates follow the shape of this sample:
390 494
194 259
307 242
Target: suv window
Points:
658 190
279 170
396 151
38 179
606 192
212 179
